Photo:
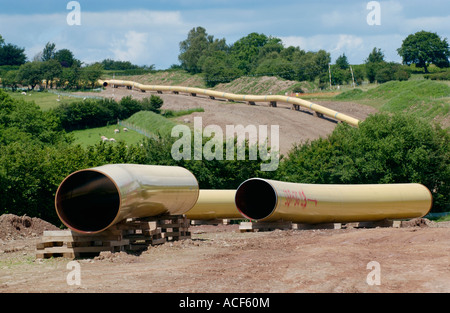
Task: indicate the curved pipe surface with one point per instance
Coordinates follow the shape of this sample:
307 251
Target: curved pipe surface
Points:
214 204
269 200
231 96
92 200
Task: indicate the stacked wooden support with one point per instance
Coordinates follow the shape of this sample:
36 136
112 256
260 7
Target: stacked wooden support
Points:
284 225
69 244
128 235
174 227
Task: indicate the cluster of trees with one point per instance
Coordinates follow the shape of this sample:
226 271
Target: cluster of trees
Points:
258 54
126 67
10 54
377 69
254 54
396 148
49 74
98 113
50 68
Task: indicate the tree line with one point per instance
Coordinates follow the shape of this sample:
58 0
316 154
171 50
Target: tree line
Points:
258 55
56 68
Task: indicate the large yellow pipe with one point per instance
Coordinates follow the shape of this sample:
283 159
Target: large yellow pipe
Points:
214 204
269 200
231 96
92 200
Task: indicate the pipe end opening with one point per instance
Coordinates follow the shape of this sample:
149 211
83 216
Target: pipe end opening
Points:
87 201
256 199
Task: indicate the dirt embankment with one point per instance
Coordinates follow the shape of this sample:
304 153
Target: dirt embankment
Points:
295 127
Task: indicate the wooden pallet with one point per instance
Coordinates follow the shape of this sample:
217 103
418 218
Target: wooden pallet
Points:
69 244
128 235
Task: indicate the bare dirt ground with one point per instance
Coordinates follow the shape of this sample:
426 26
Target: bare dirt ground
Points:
220 259
295 127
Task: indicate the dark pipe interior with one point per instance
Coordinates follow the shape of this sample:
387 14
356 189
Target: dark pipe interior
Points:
256 199
87 201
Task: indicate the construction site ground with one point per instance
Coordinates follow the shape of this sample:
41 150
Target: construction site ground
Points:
221 259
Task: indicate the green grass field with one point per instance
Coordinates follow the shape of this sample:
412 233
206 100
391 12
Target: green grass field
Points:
45 100
424 98
92 136
140 125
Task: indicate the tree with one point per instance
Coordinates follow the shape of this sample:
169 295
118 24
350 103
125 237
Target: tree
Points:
91 74
193 48
12 55
70 77
374 62
51 69
425 48
10 80
30 74
342 62
376 56
49 52
66 58
246 50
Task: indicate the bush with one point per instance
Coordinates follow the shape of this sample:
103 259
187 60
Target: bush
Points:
95 113
384 149
439 76
154 103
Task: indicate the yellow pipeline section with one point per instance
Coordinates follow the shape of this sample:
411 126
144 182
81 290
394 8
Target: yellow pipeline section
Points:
91 200
269 200
214 204
237 97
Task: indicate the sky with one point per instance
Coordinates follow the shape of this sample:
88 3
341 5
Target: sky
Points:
149 32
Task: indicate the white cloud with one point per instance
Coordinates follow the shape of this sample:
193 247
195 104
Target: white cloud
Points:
152 37
132 47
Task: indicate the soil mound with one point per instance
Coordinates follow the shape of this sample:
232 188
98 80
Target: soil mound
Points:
19 227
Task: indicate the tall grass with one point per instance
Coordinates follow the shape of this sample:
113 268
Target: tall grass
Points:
424 98
152 122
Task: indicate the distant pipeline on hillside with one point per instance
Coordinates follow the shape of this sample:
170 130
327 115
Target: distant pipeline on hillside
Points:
272 99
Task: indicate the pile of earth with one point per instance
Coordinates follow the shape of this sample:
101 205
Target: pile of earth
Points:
19 227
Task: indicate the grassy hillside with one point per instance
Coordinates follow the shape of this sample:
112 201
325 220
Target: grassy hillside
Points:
424 98
140 125
45 100
170 78
92 136
152 123
244 85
